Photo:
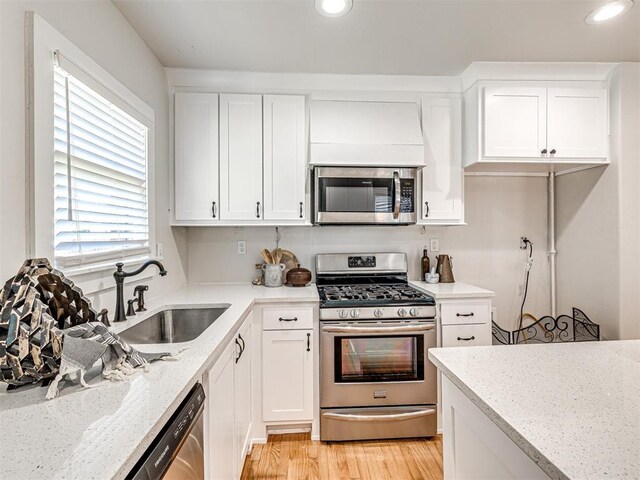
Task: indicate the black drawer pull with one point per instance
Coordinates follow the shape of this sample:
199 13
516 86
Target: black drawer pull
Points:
467 338
294 319
308 342
464 314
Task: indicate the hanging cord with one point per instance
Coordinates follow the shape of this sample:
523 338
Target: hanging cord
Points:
528 266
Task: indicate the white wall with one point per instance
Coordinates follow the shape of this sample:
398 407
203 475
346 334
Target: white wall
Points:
598 222
97 28
486 252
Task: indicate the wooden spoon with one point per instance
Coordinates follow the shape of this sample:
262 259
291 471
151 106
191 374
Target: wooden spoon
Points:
277 255
266 256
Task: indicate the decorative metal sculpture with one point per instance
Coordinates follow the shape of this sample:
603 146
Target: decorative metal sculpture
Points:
30 336
565 328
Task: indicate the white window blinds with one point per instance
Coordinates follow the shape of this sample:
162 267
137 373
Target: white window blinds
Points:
100 164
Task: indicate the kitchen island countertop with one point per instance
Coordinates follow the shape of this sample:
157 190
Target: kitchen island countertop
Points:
100 432
573 408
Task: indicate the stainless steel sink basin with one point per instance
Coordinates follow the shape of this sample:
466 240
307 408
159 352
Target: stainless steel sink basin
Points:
173 325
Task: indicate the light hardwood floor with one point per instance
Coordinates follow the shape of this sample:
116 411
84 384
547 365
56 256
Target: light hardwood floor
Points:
296 457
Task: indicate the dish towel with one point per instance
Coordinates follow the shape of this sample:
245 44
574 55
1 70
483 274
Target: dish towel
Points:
83 345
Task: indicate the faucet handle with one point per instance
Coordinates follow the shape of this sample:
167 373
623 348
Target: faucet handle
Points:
103 317
130 310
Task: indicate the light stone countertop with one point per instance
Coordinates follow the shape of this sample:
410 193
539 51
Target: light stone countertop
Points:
573 408
101 432
445 291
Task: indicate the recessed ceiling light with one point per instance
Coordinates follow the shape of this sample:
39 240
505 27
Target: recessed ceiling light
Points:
333 8
608 11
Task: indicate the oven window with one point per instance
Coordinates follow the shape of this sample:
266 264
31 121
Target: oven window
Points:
356 195
383 358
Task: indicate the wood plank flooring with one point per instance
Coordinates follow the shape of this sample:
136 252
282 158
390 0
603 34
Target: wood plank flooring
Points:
295 457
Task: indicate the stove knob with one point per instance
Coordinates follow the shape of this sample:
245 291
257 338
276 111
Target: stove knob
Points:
355 313
343 314
377 313
402 312
413 312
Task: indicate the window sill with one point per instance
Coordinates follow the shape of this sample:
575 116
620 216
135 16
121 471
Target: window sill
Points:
92 279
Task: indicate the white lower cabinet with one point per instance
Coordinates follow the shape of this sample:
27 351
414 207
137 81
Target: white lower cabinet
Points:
220 428
474 447
228 413
465 322
287 375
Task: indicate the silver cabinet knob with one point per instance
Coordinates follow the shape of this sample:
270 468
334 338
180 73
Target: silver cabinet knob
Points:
355 313
414 312
402 312
377 313
343 314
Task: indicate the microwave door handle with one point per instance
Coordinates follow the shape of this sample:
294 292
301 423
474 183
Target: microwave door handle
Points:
396 195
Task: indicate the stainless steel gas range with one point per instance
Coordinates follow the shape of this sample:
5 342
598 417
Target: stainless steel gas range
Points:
375 378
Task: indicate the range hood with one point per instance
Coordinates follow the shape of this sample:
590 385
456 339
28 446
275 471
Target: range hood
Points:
365 134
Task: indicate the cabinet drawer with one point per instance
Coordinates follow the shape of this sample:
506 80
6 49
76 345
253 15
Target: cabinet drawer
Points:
466 335
459 313
287 318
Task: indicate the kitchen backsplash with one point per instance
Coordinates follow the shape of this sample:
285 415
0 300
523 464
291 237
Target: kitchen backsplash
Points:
499 210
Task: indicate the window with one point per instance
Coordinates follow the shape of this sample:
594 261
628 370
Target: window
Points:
100 177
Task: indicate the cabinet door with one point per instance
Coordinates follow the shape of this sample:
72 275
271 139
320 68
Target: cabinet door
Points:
196 156
442 178
242 385
577 124
240 157
220 434
285 162
287 375
515 122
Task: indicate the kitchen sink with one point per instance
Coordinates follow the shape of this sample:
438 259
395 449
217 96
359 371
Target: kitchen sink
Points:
174 325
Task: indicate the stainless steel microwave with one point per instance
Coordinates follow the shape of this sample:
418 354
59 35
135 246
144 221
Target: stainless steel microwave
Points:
365 196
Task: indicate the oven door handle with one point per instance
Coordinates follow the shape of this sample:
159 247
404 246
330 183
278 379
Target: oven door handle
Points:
396 195
401 329
351 417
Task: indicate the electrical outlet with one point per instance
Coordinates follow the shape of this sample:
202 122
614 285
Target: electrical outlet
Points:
242 247
434 244
159 250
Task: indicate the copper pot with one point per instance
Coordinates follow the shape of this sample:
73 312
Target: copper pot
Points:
298 277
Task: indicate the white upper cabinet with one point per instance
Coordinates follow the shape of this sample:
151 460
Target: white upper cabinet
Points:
442 178
515 122
577 125
240 157
196 156
285 162
535 128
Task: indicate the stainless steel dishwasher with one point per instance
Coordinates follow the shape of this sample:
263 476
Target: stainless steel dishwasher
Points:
178 451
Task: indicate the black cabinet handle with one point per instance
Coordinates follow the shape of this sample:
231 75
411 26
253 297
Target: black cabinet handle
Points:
552 152
544 151
294 319
308 342
464 314
213 209
300 209
426 204
257 209
243 344
467 338
240 354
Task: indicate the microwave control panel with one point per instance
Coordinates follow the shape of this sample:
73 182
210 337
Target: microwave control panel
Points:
407 189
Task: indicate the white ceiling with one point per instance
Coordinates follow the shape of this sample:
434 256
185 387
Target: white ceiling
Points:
412 37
